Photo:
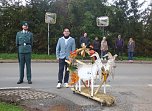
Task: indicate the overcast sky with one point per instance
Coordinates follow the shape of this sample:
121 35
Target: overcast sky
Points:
146 4
140 1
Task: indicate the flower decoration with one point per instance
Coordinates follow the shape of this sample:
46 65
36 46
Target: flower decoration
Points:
91 52
71 67
73 54
72 58
83 50
105 74
74 78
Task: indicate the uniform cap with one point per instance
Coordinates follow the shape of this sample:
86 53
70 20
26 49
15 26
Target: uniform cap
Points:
24 23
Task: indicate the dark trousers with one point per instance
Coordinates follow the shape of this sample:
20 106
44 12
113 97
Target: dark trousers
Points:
25 58
119 51
62 66
98 51
130 55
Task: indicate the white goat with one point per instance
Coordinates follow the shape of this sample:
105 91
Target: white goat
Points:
106 70
110 65
89 72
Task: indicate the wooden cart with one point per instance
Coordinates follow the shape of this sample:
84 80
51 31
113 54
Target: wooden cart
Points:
104 99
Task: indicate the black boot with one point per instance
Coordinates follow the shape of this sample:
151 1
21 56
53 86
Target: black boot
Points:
19 82
29 82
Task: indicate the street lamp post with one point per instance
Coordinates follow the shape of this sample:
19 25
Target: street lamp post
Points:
48 39
50 18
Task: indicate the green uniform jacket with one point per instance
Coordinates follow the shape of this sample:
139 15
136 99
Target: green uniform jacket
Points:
24 42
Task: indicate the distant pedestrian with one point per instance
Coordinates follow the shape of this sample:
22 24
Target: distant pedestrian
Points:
104 48
131 49
85 40
96 45
24 42
65 45
119 44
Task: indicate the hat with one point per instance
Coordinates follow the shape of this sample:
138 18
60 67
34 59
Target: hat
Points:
24 23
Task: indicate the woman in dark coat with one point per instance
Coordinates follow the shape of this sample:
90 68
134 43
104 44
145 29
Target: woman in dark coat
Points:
96 45
131 48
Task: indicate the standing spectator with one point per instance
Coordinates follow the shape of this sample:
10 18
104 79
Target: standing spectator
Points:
65 45
104 48
96 45
85 39
24 42
131 47
119 44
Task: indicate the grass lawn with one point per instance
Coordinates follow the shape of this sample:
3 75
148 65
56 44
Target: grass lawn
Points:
139 58
14 56
9 107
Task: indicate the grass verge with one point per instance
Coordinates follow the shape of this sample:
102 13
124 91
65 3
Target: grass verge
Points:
10 107
14 56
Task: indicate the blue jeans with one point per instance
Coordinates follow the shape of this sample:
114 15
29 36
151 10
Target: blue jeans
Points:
62 66
103 53
130 55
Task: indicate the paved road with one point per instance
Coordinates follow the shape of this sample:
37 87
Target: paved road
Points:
132 85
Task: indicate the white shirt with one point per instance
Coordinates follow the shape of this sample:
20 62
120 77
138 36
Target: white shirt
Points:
66 40
24 31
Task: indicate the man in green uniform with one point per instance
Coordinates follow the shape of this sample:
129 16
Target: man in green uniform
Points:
24 42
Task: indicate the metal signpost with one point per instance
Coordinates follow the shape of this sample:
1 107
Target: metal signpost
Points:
50 18
102 22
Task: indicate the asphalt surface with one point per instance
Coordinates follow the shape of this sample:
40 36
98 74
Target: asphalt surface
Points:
132 85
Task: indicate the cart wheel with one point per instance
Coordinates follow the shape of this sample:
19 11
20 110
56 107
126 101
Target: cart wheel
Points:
73 92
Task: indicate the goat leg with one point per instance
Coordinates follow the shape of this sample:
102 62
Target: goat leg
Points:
84 83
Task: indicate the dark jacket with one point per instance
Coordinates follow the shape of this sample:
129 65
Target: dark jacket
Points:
96 44
131 46
85 40
119 43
